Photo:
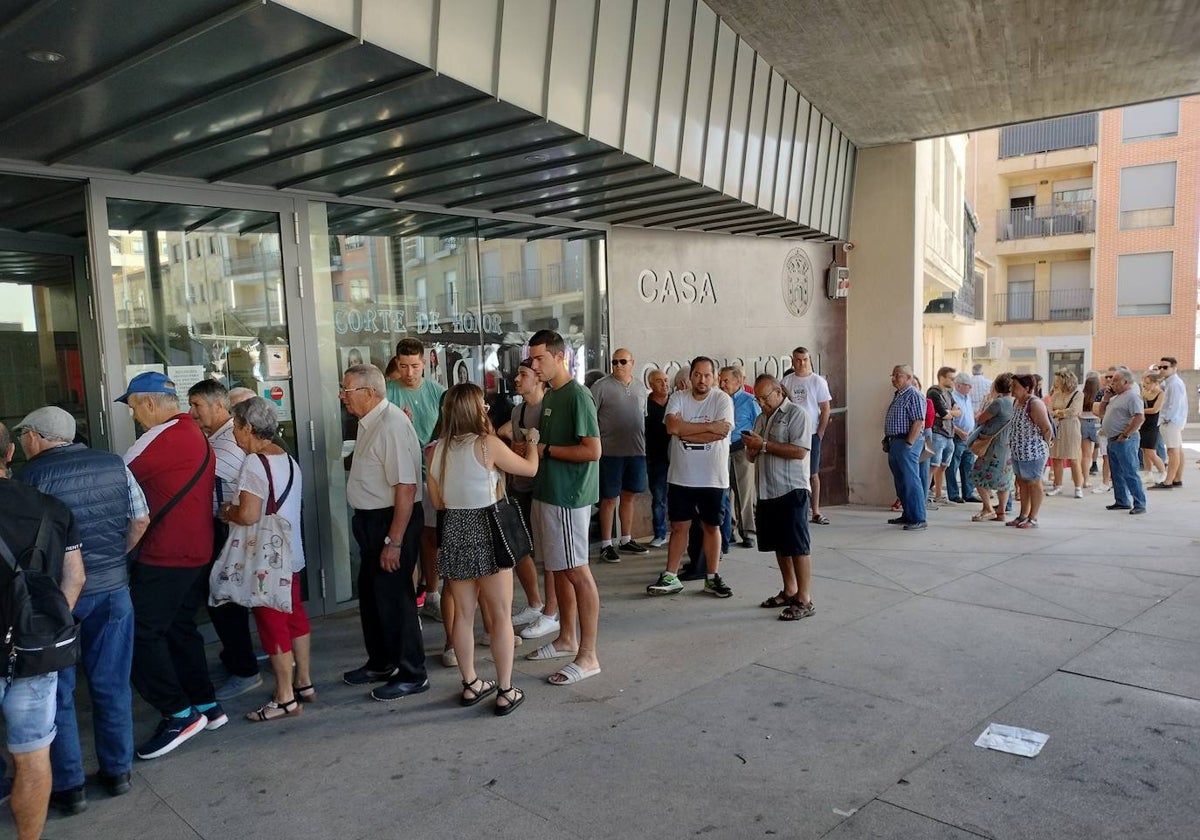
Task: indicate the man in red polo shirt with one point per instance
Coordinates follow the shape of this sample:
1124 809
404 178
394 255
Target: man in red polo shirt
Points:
174 464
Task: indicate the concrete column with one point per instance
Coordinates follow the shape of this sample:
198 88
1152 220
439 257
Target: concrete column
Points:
883 312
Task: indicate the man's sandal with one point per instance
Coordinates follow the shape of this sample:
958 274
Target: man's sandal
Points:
797 610
513 697
776 601
274 711
472 695
305 693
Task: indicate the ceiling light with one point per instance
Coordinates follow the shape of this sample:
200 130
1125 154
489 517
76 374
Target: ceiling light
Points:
535 158
45 56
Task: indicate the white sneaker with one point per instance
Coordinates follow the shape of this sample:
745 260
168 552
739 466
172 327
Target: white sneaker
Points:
1078 492
1054 491
433 606
525 616
1101 488
659 542
544 626
942 500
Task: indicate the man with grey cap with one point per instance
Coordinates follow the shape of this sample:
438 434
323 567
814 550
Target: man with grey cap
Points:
174 464
959 487
111 515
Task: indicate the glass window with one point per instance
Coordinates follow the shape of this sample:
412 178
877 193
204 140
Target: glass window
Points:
1144 283
473 301
1150 120
1148 195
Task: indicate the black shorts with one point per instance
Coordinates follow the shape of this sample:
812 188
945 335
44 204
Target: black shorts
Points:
686 503
782 524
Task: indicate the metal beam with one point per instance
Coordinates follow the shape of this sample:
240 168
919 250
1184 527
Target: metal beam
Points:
766 220
368 130
158 46
637 182
722 217
207 220
668 211
502 176
703 192
317 106
46 198
544 185
203 96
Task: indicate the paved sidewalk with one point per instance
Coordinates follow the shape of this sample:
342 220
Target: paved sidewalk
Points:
711 718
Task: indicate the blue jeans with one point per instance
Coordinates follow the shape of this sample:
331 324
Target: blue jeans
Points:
906 473
958 476
1124 461
656 473
106 633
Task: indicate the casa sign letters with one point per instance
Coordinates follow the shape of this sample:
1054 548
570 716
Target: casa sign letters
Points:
687 288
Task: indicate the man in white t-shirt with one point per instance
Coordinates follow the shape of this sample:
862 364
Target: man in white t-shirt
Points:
809 389
699 422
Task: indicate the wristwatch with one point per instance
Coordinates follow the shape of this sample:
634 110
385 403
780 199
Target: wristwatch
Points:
387 540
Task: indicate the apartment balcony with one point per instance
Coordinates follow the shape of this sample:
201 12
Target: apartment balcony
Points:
1062 226
1052 305
1034 138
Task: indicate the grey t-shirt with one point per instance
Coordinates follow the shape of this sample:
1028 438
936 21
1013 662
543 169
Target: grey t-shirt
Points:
621 412
1120 411
526 416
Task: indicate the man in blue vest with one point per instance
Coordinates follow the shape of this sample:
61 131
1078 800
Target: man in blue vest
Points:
111 515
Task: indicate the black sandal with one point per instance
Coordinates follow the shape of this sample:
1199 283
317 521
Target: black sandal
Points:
274 711
486 689
514 697
305 693
776 601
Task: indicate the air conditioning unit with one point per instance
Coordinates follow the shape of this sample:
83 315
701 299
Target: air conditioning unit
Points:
994 349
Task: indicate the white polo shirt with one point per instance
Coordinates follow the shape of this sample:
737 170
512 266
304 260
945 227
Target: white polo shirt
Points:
386 453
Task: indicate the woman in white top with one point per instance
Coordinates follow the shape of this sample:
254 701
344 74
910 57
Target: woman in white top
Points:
269 477
464 480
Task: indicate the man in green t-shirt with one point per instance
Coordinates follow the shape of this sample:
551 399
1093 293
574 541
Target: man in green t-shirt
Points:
421 400
566 487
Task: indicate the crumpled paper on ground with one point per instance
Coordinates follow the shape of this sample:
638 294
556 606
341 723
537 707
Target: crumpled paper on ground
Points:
1012 739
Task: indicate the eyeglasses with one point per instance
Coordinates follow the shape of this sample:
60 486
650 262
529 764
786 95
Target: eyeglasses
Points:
352 390
622 361
766 398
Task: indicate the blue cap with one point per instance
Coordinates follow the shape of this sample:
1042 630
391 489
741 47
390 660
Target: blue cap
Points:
150 382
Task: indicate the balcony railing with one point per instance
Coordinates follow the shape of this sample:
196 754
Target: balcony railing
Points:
1053 305
1058 219
1048 135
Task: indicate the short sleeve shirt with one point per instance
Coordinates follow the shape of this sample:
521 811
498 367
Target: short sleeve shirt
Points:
253 480
229 460
568 415
1121 409
386 453
808 391
621 412
700 464
525 417
425 403
775 476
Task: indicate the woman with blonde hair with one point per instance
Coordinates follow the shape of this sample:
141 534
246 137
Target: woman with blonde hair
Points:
465 481
1066 407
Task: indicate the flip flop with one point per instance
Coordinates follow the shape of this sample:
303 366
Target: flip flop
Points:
570 674
548 652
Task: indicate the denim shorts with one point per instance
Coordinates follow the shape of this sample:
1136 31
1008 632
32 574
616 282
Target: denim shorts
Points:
943 451
1089 428
622 473
29 705
1029 470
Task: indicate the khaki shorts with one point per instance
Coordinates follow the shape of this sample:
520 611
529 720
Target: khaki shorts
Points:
1172 435
561 535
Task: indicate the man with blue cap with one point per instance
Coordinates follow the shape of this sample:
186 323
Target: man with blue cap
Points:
175 467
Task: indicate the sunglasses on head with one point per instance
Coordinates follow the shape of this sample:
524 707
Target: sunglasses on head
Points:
621 361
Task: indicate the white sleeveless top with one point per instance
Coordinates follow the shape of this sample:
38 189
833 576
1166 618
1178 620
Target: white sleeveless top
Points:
466 484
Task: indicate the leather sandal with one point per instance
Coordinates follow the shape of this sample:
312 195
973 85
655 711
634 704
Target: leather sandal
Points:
776 601
305 693
513 697
486 689
274 711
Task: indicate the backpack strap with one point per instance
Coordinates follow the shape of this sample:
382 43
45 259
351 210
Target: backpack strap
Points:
41 545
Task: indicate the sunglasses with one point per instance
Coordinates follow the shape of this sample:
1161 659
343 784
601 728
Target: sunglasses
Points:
1162 367
622 361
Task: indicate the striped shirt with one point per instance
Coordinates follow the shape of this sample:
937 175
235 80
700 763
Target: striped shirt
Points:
229 463
775 476
907 406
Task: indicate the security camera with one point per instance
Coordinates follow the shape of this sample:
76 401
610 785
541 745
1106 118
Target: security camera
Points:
847 246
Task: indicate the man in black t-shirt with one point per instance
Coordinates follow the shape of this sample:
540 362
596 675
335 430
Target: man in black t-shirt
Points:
28 703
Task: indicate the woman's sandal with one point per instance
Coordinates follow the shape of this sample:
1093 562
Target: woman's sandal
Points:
513 697
776 601
983 517
486 689
274 711
305 693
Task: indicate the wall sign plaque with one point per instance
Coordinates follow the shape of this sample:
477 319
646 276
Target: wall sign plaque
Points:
797 282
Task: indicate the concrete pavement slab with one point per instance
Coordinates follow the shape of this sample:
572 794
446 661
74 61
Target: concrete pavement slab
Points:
958 658
1150 662
881 821
1121 762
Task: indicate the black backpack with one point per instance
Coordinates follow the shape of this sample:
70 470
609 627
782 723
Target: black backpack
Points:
38 634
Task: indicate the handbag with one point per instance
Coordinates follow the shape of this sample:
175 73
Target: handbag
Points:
254 568
510 535
979 446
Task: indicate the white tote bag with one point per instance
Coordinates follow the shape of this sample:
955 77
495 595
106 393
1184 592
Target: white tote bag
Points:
254 568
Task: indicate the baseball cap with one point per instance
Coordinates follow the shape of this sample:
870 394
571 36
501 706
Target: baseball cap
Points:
50 421
963 378
150 382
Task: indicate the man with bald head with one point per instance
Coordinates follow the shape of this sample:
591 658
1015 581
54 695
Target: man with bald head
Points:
903 435
621 412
